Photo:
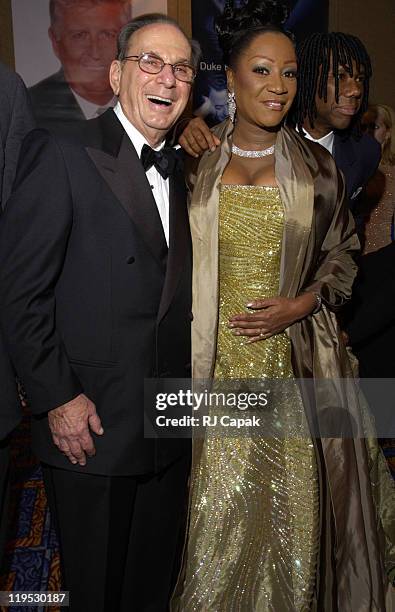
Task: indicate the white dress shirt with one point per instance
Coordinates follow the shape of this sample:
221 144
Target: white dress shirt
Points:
326 141
91 110
159 185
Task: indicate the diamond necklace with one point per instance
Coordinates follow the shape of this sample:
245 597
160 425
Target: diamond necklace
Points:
244 153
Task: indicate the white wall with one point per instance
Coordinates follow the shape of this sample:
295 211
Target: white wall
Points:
34 58
373 21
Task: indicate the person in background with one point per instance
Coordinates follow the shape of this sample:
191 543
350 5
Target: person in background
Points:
95 297
83 34
16 119
377 206
333 92
334 71
370 317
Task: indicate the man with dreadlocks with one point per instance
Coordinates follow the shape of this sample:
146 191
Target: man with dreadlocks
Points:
333 90
333 93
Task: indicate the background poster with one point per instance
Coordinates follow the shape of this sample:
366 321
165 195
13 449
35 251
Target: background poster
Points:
65 60
210 95
34 56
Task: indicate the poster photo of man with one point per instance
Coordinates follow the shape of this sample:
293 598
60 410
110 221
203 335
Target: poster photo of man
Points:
65 58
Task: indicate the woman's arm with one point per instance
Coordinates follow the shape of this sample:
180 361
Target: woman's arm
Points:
336 268
330 283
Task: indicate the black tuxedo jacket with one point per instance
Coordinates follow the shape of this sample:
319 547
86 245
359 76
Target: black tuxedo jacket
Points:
91 298
16 119
54 103
358 160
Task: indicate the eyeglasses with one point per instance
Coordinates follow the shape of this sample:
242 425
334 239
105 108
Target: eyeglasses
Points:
153 64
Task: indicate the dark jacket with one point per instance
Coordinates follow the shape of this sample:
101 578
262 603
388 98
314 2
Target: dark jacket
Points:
54 103
371 315
16 119
358 160
91 299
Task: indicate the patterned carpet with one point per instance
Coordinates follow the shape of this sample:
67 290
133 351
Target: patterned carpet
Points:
32 556
388 446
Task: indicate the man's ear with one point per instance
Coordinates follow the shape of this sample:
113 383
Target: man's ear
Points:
115 76
54 41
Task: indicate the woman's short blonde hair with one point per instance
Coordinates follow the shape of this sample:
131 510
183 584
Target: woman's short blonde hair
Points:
387 116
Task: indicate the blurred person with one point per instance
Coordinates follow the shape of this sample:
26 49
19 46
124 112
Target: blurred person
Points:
369 323
95 276
370 318
16 119
331 99
83 34
279 516
379 122
378 203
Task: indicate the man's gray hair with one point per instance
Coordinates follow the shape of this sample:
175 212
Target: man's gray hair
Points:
150 19
56 7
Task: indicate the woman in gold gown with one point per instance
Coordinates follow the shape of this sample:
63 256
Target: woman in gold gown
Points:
277 523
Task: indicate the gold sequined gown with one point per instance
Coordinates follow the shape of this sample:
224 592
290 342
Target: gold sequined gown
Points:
253 533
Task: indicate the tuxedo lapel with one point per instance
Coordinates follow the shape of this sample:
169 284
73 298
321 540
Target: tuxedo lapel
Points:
118 163
179 239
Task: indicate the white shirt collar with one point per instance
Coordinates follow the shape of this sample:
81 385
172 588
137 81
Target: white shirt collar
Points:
325 141
90 109
135 136
159 185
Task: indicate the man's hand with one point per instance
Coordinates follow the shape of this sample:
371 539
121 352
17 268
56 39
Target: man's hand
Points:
272 316
197 138
70 425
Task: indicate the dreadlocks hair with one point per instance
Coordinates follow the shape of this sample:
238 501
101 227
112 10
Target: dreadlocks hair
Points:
238 25
317 51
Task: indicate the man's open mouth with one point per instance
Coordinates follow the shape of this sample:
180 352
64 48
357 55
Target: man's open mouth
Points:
160 101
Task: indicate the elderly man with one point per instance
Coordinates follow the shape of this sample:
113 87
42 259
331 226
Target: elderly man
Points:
16 119
83 34
330 102
95 293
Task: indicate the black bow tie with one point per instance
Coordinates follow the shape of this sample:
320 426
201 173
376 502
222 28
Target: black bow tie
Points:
165 160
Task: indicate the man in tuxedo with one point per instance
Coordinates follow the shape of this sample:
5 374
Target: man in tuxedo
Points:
95 289
83 35
329 105
16 119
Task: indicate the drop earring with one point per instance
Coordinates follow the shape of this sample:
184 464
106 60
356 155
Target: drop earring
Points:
231 106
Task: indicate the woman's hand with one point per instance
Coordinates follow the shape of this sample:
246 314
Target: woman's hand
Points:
272 316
